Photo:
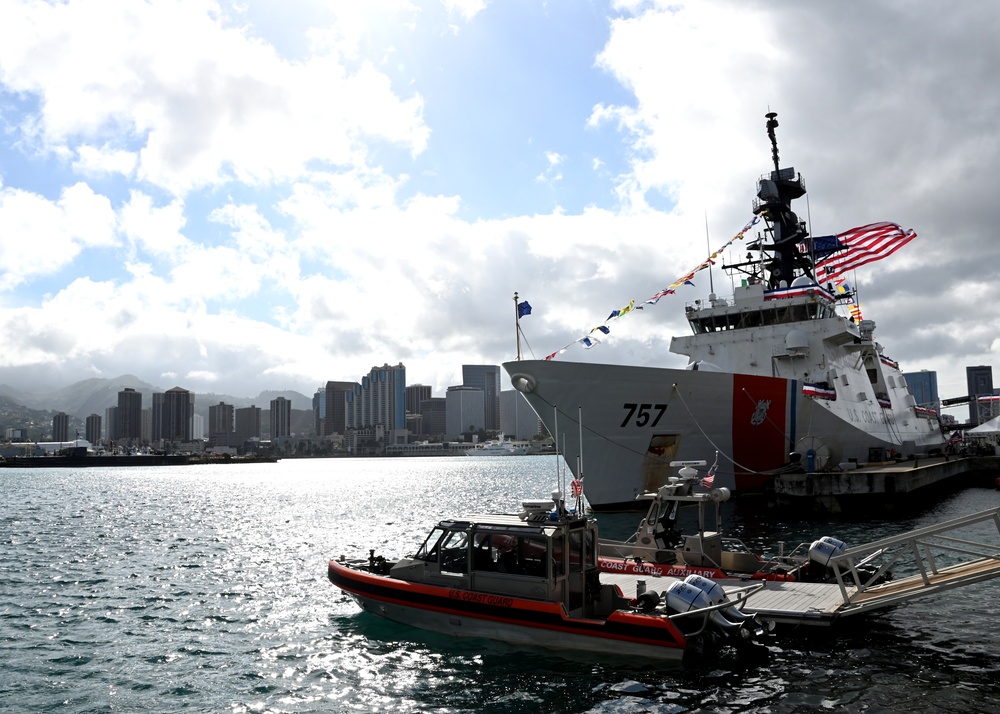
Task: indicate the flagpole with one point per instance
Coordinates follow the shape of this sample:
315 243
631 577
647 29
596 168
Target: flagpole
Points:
708 244
517 327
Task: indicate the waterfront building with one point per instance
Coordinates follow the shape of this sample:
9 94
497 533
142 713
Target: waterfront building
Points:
464 412
379 403
60 427
93 429
220 425
129 415
111 420
178 410
247 423
433 417
980 383
415 394
334 419
280 418
517 419
487 378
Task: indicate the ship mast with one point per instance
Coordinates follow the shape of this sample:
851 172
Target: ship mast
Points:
775 193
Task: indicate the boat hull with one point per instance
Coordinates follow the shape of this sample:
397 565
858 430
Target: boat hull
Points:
508 619
636 420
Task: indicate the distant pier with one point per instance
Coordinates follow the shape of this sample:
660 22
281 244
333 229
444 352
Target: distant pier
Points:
884 486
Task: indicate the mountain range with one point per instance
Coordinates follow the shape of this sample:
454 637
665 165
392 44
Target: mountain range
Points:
93 396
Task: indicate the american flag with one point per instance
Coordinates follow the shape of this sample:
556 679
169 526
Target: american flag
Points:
955 438
864 244
709 477
576 487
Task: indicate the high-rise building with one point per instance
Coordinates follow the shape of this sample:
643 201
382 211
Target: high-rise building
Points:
319 411
487 378
334 408
416 393
923 386
281 418
93 430
517 418
980 382
247 423
60 427
178 408
463 411
129 415
433 413
379 401
111 420
220 425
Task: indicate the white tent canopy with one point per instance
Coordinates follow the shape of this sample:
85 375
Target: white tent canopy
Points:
989 428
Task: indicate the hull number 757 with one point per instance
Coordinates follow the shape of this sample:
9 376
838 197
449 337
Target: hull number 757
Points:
643 414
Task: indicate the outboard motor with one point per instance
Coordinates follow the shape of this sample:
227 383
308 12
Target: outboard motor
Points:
821 552
751 625
696 592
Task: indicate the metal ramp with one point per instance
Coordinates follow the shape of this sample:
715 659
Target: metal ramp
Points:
925 562
937 558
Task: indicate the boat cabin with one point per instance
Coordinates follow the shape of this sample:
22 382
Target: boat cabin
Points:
541 554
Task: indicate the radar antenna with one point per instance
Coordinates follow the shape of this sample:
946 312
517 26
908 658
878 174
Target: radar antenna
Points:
772 124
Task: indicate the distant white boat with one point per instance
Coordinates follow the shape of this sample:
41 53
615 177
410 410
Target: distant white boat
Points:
497 447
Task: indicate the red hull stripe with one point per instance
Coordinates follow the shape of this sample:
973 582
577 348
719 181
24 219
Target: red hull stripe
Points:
632 627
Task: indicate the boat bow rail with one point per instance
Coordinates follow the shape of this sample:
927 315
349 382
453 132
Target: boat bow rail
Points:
934 559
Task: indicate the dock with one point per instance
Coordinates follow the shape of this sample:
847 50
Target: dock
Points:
883 485
919 563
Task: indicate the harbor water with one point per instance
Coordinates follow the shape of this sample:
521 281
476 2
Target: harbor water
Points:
203 589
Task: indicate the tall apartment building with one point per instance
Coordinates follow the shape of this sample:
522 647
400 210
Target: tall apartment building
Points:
379 402
60 427
129 415
178 409
281 418
111 420
93 429
924 388
487 378
247 423
334 408
220 425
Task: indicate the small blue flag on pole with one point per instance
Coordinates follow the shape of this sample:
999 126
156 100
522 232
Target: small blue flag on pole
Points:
523 308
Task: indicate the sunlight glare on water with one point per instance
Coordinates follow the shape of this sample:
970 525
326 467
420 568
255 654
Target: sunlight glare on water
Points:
203 588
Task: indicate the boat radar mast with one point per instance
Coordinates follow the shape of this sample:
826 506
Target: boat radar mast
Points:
775 193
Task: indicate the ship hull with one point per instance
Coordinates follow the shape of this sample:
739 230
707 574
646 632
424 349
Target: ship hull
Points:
635 420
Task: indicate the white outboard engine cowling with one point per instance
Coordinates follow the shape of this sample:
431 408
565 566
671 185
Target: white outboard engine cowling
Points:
696 592
821 552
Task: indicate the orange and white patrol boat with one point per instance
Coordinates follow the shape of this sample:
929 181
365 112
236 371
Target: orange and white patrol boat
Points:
533 579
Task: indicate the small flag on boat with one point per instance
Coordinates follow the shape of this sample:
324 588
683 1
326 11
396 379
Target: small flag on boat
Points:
576 487
709 477
523 308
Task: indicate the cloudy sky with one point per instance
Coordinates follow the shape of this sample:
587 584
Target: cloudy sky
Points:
237 196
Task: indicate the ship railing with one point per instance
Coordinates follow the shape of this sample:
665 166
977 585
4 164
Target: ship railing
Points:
957 552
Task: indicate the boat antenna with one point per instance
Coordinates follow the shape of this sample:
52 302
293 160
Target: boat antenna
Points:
772 124
555 433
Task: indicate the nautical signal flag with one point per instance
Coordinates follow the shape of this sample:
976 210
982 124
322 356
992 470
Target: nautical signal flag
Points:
523 308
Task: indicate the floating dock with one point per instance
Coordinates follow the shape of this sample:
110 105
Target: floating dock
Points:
883 485
921 563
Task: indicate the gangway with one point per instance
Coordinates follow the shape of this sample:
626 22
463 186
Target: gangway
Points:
923 562
931 560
